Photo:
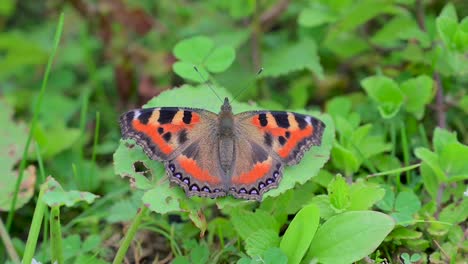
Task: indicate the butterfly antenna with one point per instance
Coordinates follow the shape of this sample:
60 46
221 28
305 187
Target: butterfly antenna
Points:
250 84
206 82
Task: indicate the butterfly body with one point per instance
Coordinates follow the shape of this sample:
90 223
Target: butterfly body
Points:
214 155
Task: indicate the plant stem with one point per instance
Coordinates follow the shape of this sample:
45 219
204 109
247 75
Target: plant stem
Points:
56 236
36 222
119 257
8 244
37 108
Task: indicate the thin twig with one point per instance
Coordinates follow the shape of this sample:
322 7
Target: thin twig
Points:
268 18
440 106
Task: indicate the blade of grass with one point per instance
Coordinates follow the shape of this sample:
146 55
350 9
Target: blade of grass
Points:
399 170
56 236
37 107
42 174
131 232
33 234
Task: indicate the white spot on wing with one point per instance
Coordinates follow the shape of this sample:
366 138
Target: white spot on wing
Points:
308 119
137 114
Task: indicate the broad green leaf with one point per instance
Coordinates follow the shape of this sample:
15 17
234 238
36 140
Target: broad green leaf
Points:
453 160
394 31
161 199
461 36
13 137
194 50
455 213
316 16
186 70
127 155
246 222
55 195
298 56
260 241
430 180
55 139
463 104
200 254
406 205
274 256
418 93
338 191
432 160
344 159
364 195
349 237
323 203
388 200
297 238
385 92
358 14
443 138
447 23
347 45
220 59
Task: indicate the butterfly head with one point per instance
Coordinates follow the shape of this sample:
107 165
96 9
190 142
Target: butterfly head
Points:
226 107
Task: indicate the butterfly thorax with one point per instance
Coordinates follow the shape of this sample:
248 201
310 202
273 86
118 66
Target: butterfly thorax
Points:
226 138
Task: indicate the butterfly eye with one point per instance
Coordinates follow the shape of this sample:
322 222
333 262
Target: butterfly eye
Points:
178 175
276 174
172 167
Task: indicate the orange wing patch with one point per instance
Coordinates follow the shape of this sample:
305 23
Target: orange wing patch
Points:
259 170
152 132
191 167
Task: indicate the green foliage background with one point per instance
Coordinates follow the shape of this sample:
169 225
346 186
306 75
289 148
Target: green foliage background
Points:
389 78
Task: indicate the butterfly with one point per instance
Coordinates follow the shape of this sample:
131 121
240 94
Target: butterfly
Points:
214 155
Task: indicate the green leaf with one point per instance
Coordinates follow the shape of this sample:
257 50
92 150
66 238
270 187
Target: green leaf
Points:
13 137
247 223
349 237
385 92
338 191
406 205
258 242
55 139
418 93
430 180
298 56
364 195
461 36
388 200
186 70
297 238
200 254
432 160
344 159
220 59
443 138
194 50
55 195
161 199
447 24
453 160
274 256
201 52
316 16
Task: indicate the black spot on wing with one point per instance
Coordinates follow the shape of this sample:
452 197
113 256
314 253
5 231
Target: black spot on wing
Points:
301 122
187 119
182 138
268 140
167 136
160 130
166 115
287 134
281 119
145 116
263 119
282 140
